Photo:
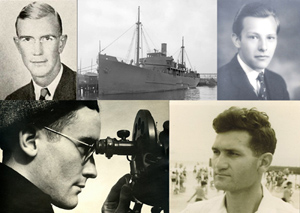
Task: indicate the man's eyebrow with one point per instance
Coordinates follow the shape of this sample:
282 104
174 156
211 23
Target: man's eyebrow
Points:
231 150
226 149
25 36
43 36
55 36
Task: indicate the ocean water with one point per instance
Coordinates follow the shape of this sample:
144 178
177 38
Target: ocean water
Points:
199 93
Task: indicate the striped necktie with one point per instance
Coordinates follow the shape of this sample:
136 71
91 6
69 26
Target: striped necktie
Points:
44 93
262 93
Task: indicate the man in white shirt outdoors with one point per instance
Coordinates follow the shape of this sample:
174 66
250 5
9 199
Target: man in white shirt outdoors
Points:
242 152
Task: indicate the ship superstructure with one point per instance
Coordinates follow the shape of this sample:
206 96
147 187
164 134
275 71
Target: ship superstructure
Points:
156 72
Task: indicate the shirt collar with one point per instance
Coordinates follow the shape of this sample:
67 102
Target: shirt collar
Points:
51 87
251 74
266 203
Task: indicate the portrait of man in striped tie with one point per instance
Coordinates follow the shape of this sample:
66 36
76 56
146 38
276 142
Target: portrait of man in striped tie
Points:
40 40
254 33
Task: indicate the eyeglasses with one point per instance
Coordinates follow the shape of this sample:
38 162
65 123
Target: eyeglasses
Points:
87 153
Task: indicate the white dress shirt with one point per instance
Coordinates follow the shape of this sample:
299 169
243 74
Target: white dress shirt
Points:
51 87
251 74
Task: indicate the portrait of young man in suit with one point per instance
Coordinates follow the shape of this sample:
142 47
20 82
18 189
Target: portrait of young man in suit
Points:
40 41
246 77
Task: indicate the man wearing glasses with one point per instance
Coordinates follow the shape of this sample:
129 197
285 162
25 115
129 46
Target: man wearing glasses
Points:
48 151
40 41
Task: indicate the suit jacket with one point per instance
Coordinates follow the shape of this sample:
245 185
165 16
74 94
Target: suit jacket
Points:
233 84
66 88
19 195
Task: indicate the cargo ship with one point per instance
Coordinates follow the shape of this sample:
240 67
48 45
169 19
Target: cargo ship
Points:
155 73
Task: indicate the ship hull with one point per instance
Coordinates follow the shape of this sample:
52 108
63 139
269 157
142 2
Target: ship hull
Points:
117 78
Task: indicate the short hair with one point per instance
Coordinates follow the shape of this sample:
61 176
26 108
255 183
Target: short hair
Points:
37 10
54 114
254 9
256 123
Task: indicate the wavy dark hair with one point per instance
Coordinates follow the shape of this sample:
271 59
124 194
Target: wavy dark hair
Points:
256 123
254 9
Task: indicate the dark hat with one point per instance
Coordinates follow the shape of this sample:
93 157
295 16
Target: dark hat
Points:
16 114
25 112
13 112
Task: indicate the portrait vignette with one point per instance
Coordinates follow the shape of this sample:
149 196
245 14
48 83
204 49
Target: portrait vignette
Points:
13 73
285 61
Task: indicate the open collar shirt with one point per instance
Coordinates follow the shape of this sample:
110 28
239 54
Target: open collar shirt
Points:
268 204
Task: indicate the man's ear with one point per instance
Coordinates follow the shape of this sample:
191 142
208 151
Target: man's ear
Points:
28 142
17 43
62 43
236 40
264 162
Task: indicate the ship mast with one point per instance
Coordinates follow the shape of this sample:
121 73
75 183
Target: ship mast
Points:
182 51
138 39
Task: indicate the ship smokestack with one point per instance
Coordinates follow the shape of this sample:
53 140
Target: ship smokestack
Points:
164 48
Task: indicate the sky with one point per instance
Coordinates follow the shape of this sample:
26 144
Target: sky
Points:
192 134
164 22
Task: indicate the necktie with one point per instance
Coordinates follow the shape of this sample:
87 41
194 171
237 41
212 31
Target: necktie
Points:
262 93
44 93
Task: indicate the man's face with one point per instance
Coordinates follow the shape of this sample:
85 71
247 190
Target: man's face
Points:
40 44
62 175
258 41
235 167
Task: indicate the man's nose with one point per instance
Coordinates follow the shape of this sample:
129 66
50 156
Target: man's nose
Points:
263 45
89 168
220 162
37 48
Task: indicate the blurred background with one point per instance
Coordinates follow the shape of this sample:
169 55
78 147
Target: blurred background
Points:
192 137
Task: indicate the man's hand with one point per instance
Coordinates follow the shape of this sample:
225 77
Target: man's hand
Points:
119 197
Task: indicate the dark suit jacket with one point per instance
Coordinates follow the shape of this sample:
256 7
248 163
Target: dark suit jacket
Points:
19 195
233 84
66 88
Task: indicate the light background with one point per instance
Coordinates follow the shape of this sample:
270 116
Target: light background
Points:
192 134
165 21
115 115
13 73
286 58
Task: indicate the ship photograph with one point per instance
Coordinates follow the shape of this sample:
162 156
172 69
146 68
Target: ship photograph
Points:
140 71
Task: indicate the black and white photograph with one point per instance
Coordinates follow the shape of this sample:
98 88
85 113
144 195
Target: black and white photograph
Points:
258 54
38 48
224 156
147 50
84 156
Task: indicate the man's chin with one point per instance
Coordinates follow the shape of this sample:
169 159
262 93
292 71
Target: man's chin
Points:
69 204
260 66
221 185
